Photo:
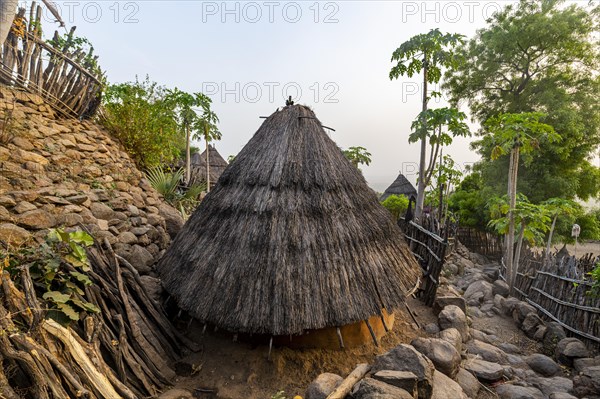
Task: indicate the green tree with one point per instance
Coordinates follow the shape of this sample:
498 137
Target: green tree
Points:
447 176
396 204
188 119
516 134
437 127
537 56
427 53
556 207
141 116
358 156
206 128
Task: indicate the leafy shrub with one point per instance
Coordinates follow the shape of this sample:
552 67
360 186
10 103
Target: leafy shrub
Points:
396 204
58 269
168 184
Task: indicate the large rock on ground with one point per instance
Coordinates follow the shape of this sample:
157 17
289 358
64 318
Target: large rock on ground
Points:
484 371
402 379
488 352
569 349
452 336
444 355
442 301
406 358
370 388
509 391
587 383
453 317
542 364
552 336
500 288
13 235
444 387
476 287
552 385
322 386
531 323
521 310
37 219
468 383
173 220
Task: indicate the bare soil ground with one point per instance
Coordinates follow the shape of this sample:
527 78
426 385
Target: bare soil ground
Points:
235 370
581 248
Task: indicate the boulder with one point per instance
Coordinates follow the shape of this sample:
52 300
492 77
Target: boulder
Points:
444 387
322 386
406 358
432 328
140 258
500 288
468 383
24 206
509 348
539 333
587 383
173 220
479 289
487 352
553 334
531 323
484 371
508 305
443 354
509 391
101 211
542 364
13 235
452 336
453 317
370 388
552 385
569 349
582 363
127 237
442 301
402 379
521 310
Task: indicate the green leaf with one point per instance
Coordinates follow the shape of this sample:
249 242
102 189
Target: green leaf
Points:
81 237
56 297
87 306
68 311
82 277
74 287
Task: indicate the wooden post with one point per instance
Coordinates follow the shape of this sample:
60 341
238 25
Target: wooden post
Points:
346 386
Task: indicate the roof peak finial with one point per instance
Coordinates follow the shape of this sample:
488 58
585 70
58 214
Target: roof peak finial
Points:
289 101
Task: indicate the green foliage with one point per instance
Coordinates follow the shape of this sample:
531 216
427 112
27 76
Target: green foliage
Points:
59 269
358 156
142 116
533 219
590 226
594 276
431 123
432 50
537 56
469 201
396 204
169 185
68 44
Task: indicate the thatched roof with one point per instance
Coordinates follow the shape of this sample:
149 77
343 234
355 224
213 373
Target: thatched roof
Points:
290 239
216 162
400 186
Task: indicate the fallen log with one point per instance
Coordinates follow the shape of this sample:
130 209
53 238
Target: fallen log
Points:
346 386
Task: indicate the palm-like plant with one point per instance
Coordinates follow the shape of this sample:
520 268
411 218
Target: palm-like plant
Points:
206 128
169 185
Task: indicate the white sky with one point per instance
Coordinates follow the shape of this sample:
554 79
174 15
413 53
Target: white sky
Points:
248 56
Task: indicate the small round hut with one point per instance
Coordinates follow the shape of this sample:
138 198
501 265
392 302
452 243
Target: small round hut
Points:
291 243
400 186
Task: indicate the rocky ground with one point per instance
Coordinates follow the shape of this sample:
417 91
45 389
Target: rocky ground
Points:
484 344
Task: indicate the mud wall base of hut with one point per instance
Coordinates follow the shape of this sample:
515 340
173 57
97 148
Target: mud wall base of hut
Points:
353 335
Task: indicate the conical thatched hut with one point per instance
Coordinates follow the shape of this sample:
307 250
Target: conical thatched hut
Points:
291 240
400 186
216 168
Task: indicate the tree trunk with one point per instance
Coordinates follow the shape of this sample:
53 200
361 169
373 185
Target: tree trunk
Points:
207 166
550 238
518 251
8 10
510 236
188 157
421 182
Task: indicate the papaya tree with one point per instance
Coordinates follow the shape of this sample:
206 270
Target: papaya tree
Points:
516 134
206 128
425 53
358 155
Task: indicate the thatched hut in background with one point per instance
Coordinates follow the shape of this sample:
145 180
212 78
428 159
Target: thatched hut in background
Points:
216 168
291 242
400 186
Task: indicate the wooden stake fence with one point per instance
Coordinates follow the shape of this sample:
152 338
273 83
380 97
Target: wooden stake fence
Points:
66 80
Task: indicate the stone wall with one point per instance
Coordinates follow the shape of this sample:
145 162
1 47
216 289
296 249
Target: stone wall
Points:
57 172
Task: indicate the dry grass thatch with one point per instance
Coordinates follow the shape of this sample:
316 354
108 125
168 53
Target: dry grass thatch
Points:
216 169
400 186
290 239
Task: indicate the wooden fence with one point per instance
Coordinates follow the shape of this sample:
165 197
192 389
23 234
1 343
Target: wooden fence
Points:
480 242
67 80
430 250
558 289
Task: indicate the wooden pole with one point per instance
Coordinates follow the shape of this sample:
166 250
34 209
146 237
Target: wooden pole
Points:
346 386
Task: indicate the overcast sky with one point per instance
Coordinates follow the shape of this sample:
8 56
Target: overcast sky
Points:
249 56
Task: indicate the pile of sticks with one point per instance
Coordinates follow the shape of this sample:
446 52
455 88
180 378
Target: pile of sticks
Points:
124 351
